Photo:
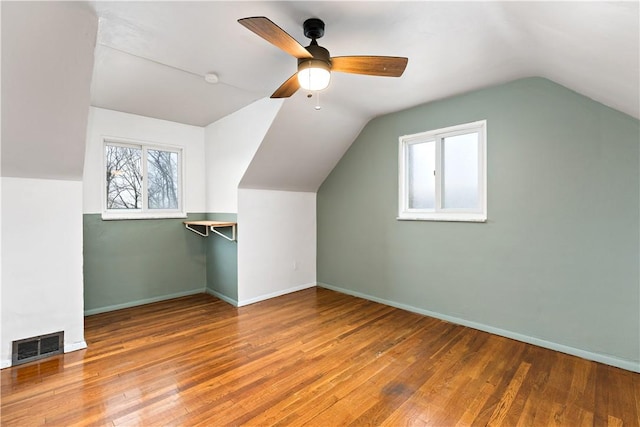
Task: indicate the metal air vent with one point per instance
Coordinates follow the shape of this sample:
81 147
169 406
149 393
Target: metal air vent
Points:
30 349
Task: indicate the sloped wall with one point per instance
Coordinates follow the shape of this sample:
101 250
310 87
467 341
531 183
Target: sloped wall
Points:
275 251
47 61
230 145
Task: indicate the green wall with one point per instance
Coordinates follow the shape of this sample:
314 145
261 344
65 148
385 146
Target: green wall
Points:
222 261
132 262
128 262
556 262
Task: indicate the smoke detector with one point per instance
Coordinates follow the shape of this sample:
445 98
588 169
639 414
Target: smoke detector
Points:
211 78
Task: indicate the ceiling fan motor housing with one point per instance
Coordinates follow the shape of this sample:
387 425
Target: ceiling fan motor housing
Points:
320 55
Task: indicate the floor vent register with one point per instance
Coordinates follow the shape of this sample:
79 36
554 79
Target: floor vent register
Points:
30 349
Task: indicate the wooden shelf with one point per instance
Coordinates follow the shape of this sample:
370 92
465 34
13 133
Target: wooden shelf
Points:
205 226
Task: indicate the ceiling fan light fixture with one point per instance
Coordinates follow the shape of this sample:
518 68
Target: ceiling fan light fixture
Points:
314 74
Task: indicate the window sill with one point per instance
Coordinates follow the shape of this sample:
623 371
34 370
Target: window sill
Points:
109 216
444 218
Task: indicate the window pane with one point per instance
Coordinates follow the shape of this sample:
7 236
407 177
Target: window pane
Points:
460 172
124 179
421 175
162 179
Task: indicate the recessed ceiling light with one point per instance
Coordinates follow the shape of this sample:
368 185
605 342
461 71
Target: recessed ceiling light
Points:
211 78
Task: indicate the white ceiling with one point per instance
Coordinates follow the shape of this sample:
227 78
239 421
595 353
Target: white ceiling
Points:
151 56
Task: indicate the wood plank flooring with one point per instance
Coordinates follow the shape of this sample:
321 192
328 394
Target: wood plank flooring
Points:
315 357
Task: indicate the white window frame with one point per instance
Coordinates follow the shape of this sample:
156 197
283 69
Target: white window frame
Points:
145 212
439 213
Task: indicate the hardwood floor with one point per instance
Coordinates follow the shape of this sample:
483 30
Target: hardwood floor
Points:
315 357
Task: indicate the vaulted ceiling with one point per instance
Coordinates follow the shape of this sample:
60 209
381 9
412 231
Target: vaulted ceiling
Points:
151 56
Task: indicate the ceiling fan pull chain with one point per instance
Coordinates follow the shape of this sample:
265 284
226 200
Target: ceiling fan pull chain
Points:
318 107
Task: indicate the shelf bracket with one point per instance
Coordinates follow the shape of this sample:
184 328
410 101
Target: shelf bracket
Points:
192 228
233 232
202 228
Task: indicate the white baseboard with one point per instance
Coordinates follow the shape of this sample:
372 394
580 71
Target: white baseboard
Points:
222 297
5 363
75 346
141 302
275 294
629 365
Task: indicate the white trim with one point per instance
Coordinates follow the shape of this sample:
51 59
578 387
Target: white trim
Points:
629 365
222 297
75 346
276 294
5 363
145 212
439 213
113 216
141 302
448 217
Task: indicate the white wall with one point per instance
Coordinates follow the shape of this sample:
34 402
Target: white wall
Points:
2 363
43 138
130 126
276 243
230 144
42 261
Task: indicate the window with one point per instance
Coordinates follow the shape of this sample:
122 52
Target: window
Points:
142 181
443 174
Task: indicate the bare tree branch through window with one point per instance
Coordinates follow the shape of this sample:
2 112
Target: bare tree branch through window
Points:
162 178
126 186
124 177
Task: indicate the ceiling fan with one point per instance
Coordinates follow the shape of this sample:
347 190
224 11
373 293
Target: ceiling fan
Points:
314 62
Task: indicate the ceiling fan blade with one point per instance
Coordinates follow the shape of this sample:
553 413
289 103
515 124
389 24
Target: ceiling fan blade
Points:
287 88
275 35
386 66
